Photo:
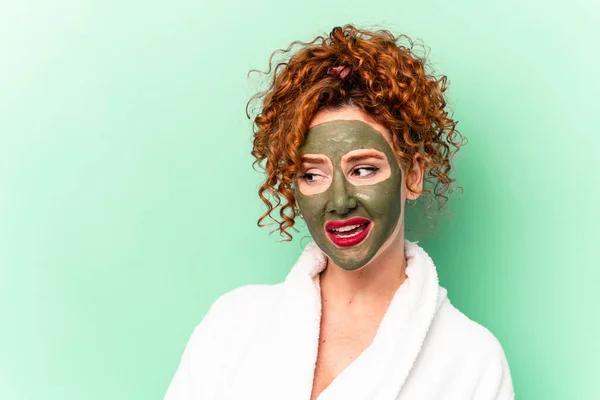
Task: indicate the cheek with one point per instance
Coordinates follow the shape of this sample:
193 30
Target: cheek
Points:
381 200
311 207
310 189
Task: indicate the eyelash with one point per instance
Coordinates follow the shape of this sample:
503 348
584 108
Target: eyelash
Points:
373 170
309 178
305 177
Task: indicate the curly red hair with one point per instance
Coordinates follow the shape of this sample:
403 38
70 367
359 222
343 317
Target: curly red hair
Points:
368 70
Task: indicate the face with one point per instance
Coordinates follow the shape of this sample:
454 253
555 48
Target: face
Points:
349 190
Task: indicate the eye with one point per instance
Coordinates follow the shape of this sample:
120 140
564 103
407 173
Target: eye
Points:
311 177
364 172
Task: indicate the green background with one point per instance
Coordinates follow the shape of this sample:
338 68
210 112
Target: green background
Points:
128 203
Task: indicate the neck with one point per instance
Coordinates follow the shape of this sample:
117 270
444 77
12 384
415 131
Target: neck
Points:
375 283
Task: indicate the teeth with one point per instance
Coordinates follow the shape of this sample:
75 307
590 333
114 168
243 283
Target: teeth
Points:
345 231
347 235
346 228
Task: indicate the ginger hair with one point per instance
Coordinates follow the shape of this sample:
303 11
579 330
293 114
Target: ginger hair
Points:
370 70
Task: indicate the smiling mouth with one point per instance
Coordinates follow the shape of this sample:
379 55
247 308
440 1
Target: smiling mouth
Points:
349 232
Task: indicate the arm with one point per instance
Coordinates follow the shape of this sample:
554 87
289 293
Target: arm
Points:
197 373
495 382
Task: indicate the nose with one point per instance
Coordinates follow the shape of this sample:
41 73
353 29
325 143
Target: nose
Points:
342 198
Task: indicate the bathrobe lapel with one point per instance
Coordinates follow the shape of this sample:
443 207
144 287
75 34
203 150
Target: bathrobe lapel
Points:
381 370
280 361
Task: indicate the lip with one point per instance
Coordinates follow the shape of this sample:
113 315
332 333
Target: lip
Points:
352 240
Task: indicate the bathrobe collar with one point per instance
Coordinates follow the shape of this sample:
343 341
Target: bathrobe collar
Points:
288 345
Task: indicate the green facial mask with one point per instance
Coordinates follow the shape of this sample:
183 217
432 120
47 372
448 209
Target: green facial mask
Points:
379 202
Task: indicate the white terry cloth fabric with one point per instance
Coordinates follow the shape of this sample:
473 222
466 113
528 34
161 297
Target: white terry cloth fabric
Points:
261 341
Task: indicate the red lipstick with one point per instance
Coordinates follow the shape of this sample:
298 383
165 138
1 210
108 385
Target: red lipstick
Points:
348 232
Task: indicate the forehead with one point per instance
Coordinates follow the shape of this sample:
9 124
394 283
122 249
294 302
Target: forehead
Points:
336 138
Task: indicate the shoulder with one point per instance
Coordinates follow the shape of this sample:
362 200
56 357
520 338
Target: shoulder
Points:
247 302
233 319
249 299
219 339
237 313
466 334
473 350
242 306
464 338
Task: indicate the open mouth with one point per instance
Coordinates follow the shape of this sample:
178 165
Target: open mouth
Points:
349 232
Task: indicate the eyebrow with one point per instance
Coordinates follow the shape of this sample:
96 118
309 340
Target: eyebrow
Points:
365 156
314 160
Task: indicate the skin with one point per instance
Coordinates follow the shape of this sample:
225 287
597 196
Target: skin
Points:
350 170
353 302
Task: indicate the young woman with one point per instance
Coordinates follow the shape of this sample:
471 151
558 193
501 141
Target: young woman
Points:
350 128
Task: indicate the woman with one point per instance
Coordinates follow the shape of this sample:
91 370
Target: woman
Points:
350 128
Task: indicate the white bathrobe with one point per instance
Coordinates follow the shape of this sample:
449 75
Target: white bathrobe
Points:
260 342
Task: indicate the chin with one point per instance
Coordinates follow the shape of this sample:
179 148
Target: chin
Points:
353 261
354 268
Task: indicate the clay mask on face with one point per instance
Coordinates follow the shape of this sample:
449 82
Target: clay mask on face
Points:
349 190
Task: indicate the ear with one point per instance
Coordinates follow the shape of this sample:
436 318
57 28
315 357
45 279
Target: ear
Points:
414 177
